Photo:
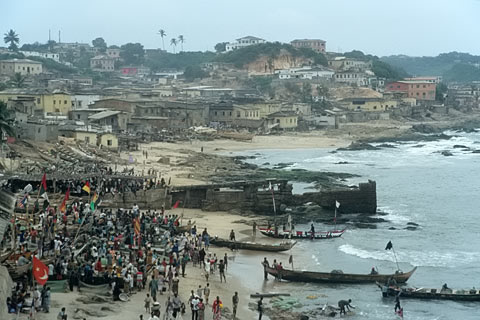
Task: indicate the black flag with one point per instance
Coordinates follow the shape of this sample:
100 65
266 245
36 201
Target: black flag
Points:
389 245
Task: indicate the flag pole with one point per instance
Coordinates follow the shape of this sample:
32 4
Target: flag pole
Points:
395 255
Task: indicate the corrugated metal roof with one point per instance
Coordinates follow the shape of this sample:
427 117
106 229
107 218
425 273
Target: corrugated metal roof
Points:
104 114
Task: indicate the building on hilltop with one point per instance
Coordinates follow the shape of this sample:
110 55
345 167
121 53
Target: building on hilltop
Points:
46 101
344 64
244 42
44 55
314 44
102 63
368 104
113 53
420 90
352 78
284 120
22 66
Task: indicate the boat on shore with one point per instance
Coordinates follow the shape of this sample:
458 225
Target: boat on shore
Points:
281 234
339 277
284 246
431 294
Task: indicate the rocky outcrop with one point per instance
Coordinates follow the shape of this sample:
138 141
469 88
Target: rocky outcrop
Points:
267 65
5 291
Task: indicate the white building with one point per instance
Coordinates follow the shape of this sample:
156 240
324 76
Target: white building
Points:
305 73
44 55
80 101
351 77
244 42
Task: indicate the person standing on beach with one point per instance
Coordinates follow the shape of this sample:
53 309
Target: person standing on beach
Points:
225 261
265 266
221 268
260 308
206 292
254 231
148 300
235 301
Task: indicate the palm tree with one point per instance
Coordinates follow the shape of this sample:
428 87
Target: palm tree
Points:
173 43
17 80
181 39
12 38
162 34
6 121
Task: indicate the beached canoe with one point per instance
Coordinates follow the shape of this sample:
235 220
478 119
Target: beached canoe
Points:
320 235
338 277
284 246
432 294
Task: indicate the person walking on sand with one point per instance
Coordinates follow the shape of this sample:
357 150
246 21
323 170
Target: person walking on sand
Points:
201 310
148 301
235 301
217 309
265 266
206 292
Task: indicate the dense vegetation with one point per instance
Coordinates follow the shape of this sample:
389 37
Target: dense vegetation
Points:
453 66
380 68
243 56
164 60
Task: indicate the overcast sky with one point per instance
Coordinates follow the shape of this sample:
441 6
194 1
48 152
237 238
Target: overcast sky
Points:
413 27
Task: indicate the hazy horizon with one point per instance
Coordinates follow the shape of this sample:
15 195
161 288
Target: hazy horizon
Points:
425 28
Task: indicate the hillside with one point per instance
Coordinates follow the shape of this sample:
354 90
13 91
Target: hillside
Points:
453 66
266 57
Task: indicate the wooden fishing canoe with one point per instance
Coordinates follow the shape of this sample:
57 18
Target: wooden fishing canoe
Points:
329 277
433 294
285 246
319 235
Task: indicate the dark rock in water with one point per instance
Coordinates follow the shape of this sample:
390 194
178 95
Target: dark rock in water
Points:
365 225
425 128
266 164
418 146
358 146
467 149
476 151
460 146
392 228
282 165
412 224
244 157
446 153
333 151
410 228
386 145
342 162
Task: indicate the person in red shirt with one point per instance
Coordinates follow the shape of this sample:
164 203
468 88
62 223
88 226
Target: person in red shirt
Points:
217 309
98 265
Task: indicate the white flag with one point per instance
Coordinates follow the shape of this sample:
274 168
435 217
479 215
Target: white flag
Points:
270 185
337 204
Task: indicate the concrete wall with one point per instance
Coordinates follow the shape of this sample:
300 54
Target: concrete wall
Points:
38 132
149 199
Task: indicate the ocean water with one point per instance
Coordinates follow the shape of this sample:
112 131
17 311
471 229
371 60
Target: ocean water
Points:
415 183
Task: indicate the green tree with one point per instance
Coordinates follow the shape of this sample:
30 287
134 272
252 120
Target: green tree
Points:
6 120
162 34
194 72
306 92
132 53
440 92
100 44
173 43
17 80
181 39
221 47
12 38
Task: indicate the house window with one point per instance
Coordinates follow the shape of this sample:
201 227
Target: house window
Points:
39 130
374 107
238 114
87 139
418 86
223 113
215 112
109 142
38 100
64 101
230 113
78 117
54 102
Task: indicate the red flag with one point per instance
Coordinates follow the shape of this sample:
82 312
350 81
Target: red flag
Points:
40 271
43 187
136 226
175 206
63 206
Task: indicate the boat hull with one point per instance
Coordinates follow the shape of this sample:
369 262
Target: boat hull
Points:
252 246
327 277
427 294
322 235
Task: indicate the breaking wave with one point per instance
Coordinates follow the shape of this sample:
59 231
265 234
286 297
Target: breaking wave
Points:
416 258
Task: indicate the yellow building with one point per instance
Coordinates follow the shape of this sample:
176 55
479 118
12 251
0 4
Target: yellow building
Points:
48 102
369 104
283 120
23 66
108 140
85 136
